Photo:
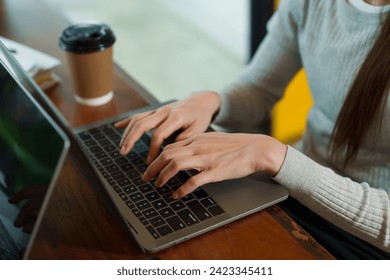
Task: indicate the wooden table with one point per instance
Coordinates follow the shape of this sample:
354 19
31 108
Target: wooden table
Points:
78 226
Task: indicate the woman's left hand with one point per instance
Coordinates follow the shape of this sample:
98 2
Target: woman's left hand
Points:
218 156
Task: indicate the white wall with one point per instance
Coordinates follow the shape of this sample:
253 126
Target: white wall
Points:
226 21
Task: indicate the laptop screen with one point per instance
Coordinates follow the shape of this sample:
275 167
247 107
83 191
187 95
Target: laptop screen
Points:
31 150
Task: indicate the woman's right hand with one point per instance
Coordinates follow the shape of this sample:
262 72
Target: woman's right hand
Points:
191 116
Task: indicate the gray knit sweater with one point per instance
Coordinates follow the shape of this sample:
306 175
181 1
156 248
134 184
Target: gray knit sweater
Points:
330 39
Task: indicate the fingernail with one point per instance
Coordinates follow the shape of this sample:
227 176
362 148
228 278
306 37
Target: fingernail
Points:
175 196
122 151
145 177
148 159
157 184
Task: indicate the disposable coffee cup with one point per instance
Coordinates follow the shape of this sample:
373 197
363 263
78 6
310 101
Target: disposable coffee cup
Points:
89 51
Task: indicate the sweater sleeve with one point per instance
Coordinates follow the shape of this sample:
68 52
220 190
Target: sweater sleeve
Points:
355 207
248 101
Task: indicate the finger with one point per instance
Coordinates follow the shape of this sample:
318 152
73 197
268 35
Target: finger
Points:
179 164
160 135
193 183
122 123
19 196
24 214
163 160
180 144
137 130
29 226
131 121
192 130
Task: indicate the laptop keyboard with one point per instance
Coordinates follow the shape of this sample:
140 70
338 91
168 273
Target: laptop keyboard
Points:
8 248
153 206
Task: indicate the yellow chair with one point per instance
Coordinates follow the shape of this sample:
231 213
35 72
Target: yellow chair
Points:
290 114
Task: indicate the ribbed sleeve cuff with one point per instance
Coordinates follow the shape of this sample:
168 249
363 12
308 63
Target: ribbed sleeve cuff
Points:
299 173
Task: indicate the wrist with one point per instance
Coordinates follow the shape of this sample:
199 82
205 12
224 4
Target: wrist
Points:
211 100
272 155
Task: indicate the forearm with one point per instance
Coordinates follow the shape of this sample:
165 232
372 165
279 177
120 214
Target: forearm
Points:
355 207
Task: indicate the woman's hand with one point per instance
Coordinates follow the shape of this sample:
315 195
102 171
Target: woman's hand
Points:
191 116
218 156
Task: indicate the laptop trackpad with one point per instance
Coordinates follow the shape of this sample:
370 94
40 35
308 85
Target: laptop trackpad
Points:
251 194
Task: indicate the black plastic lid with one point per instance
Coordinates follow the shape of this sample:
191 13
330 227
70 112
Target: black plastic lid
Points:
86 38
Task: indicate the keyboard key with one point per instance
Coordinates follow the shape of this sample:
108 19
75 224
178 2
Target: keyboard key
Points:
131 155
130 204
143 220
90 143
94 131
137 213
150 213
84 135
104 142
99 136
166 212
152 196
168 198
130 189
115 138
177 205
164 190
117 175
159 204
115 154
127 168
183 176
164 230
140 147
173 182
95 149
145 138
111 181
208 202
143 205
120 161
216 210
153 232
123 196
135 197
144 155
107 129
100 154
112 168
146 188
132 174
175 223
123 182
200 193
138 181
141 169
106 161
157 221
198 210
110 148
188 197
187 217
137 161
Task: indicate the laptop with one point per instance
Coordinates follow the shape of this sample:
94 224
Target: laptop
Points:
153 218
32 151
